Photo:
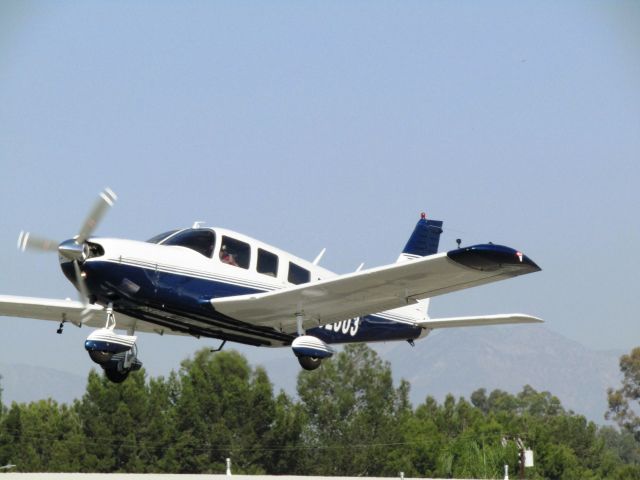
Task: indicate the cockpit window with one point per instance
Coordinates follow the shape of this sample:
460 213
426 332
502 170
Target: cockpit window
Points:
234 252
201 240
159 238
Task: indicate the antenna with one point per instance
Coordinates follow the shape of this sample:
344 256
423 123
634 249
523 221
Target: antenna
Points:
319 256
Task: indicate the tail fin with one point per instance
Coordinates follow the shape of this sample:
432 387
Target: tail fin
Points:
423 241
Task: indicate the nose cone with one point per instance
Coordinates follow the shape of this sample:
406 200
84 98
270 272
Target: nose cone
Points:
70 250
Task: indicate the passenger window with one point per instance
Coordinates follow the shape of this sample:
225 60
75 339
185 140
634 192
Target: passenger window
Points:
200 240
298 275
234 252
267 263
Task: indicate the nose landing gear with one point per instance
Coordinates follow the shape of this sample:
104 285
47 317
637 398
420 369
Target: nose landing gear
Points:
116 354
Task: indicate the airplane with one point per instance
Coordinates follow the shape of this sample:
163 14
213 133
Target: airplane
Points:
220 284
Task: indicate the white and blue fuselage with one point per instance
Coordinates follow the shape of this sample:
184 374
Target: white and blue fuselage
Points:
171 280
216 283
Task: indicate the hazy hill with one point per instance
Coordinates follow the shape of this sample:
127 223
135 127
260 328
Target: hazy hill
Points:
26 383
461 360
454 361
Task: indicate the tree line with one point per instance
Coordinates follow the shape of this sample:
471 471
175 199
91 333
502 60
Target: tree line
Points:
348 419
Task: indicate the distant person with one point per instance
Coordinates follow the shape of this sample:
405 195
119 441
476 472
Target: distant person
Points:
227 257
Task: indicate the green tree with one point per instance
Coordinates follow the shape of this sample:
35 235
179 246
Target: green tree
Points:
11 434
624 401
284 440
125 424
223 408
349 420
458 439
424 439
42 436
354 414
622 444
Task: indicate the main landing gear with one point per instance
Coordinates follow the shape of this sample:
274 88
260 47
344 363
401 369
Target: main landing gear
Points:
310 350
116 354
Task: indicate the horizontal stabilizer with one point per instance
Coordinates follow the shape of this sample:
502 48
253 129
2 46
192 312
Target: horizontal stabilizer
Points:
504 319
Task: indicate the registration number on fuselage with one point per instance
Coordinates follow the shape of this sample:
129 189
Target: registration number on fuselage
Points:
347 327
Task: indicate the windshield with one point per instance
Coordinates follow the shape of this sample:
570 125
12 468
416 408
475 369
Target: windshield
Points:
199 239
160 237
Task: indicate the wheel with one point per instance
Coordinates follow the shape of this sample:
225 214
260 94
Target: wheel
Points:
100 357
115 376
309 363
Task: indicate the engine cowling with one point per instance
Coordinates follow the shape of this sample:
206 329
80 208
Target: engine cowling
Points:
310 351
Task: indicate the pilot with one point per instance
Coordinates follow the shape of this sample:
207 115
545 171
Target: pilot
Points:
227 257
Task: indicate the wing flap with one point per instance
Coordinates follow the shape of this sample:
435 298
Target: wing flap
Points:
44 308
56 310
378 289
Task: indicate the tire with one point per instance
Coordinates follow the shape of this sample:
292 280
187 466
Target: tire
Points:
115 376
100 357
309 363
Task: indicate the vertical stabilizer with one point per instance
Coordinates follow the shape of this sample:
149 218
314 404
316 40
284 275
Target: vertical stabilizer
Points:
423 241
425 238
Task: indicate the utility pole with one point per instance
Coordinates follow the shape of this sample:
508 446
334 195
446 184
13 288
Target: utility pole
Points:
525 457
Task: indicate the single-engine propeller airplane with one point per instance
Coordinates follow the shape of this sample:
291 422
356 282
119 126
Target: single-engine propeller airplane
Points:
216 283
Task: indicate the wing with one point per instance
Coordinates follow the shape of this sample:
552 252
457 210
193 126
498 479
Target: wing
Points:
377 289
69 311
452 322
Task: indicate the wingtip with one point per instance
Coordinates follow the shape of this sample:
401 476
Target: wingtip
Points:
529 318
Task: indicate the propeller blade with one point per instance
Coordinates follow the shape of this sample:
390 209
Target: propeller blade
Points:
82 287
87 313
27 240
106 199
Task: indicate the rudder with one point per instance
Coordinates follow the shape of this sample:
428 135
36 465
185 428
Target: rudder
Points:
424 241
425 238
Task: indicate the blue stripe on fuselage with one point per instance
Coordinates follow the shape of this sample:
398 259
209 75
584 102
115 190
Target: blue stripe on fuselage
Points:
139 287
370 328
144 286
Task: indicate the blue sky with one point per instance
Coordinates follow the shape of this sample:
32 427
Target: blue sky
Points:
331 124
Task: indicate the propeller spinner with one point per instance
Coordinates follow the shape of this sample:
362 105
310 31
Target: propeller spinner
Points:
75 249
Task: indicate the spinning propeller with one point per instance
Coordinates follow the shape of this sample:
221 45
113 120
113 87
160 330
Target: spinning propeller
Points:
75 249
